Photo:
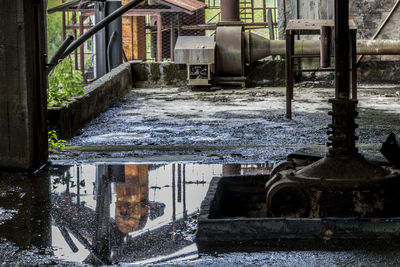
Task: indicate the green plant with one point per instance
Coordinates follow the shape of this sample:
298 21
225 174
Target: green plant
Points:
66 179
64 82
54 28
55 144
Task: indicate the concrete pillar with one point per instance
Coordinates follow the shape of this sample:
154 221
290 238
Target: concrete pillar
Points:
23 120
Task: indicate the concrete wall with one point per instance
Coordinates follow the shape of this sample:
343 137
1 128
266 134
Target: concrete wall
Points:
150 75
98 96
154 74
23 129
263 73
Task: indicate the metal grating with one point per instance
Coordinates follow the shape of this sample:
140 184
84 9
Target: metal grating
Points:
184 19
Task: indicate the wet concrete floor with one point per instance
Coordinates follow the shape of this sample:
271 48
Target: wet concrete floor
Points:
128 188
226 125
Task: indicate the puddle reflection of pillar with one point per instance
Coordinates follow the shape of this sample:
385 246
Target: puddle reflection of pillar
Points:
67 181
131 209
78 186
101 241
173 203
179 183
184 191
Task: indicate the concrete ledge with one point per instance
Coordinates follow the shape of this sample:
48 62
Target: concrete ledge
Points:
263 73
266 73
154 74
98 96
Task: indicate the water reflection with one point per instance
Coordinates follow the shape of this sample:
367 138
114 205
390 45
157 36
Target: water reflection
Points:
25 210
131 209
102 214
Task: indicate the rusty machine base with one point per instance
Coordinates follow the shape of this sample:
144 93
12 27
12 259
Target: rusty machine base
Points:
336 213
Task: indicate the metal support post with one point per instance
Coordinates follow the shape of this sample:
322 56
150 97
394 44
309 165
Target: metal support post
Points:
159 38
289 72
342 139
81 48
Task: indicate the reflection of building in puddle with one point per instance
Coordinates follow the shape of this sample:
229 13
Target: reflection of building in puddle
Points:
131 210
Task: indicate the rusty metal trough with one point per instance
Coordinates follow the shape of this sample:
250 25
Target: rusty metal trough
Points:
234 217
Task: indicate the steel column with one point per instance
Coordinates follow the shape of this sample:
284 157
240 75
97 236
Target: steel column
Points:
81 48
342 136
289 74
342 49
353 50
64 34
159 38
75 37
114 35
172 39
100 42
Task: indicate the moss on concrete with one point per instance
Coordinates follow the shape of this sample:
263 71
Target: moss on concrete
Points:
174 73
267 73
139 72
155 73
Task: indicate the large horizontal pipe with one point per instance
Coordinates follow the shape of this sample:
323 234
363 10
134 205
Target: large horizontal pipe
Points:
258 47
312 47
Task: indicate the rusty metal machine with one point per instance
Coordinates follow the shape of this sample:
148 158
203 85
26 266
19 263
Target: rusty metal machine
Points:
222 59
343 183
198 53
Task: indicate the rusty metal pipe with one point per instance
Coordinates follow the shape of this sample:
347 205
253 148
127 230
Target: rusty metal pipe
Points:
230 10
312 47
325 47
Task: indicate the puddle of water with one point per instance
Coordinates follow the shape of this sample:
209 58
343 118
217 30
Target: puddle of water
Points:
120 136
106 214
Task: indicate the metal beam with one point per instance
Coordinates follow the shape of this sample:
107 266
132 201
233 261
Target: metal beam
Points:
342 49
